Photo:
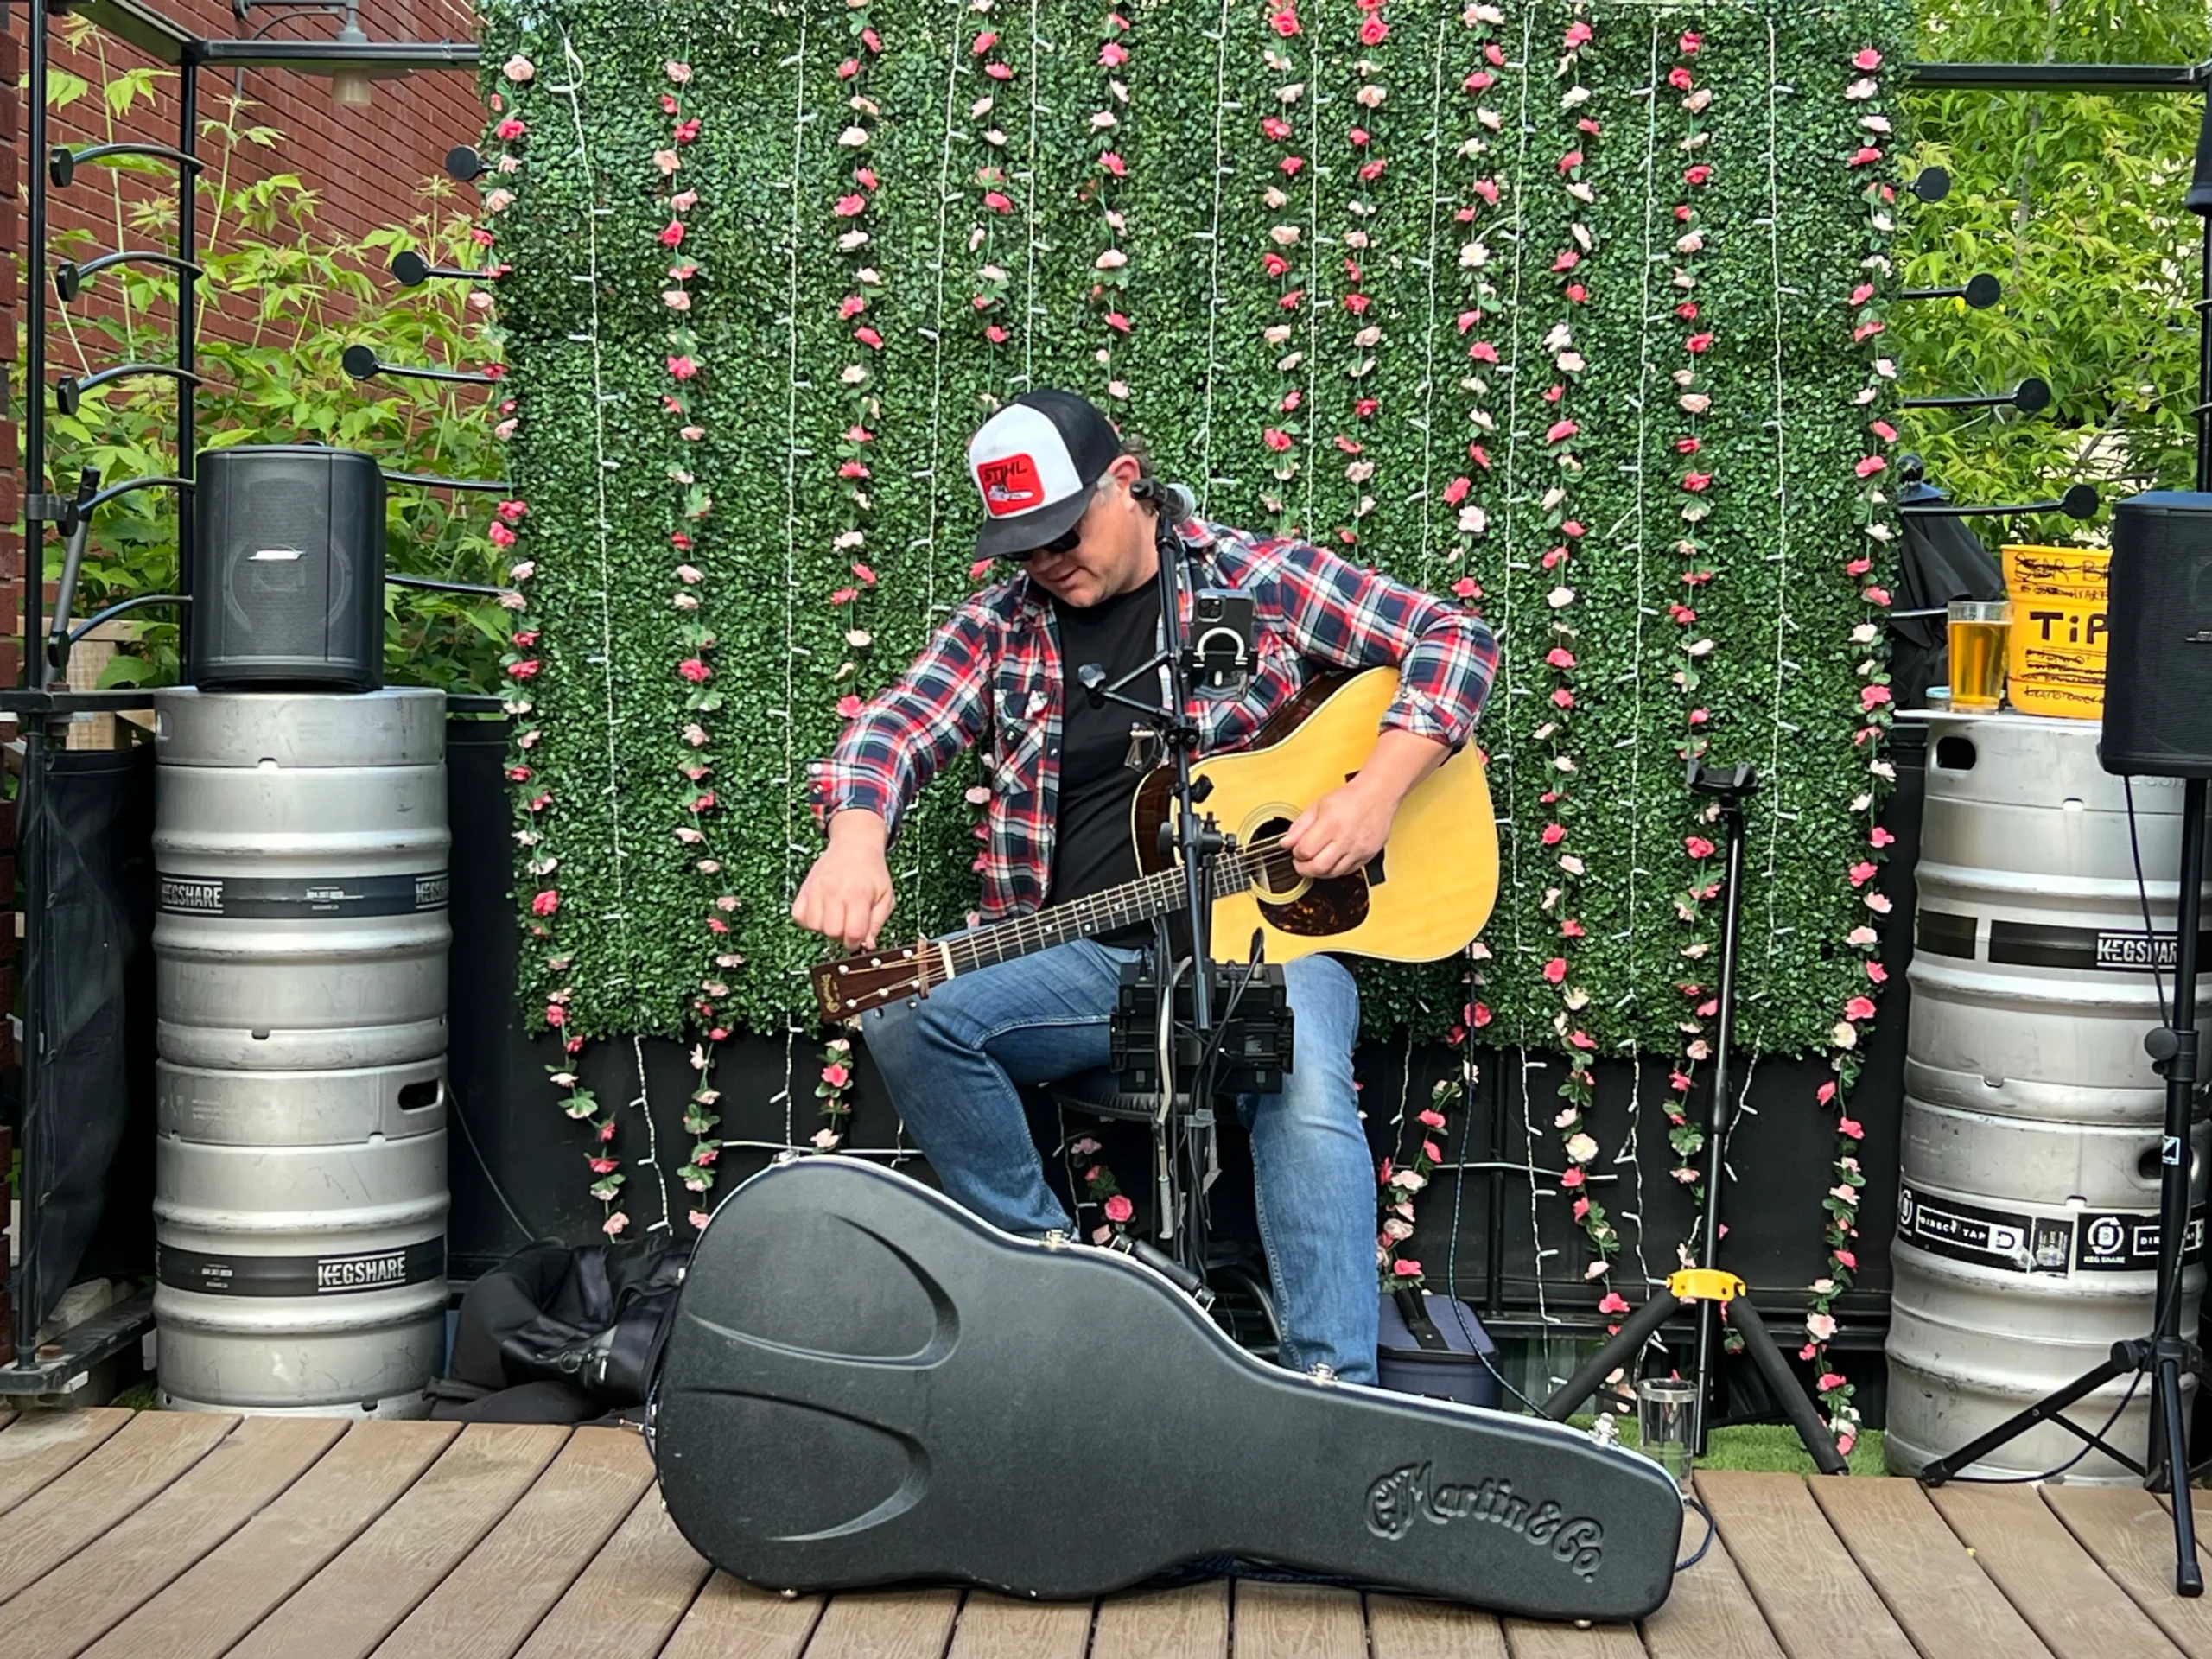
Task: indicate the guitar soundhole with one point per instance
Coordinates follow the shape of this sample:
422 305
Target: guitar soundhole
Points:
1277 879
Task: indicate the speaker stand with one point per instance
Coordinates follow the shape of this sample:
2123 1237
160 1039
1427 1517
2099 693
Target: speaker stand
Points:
2167 1355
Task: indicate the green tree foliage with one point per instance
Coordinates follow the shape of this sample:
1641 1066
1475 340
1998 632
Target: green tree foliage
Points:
295 297
2073 202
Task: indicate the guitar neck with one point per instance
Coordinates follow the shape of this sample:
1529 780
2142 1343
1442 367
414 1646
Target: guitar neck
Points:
1140 901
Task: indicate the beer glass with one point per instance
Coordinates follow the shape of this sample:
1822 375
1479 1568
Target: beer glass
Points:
1977 628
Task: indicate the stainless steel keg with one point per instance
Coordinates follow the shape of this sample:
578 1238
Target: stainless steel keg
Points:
2027 1230
301 849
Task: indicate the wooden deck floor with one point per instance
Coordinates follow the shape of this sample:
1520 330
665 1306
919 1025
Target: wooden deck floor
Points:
192 1536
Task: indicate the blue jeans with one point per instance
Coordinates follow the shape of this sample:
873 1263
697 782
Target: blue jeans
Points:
954 1060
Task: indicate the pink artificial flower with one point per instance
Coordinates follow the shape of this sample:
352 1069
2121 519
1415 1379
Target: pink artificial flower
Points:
1554 834
1697 174
1612 1302
1868 60
683 368
1116 321
1560 657
984 43
1862 872
1697 846
1555 970
1276 439
1679 79
499 535
1871 698
1455 492
1284 22
1688 44
1864 155
694 670
1561 431
1113 54
997 201
671 234
524 670
1696 483
1112 161
1698 344
1859 1008
868 337
687 130
835 1075
1374 31
1432 1117
519 69
1869 465
1118 1208
1578 33
1406 1269
1273 264
850 206
509 130
848 706
1576 294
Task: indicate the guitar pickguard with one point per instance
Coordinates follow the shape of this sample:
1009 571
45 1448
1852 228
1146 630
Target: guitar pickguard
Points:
1325 908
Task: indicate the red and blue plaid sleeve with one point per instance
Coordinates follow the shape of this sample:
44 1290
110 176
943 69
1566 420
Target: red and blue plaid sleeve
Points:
1339 613
904 734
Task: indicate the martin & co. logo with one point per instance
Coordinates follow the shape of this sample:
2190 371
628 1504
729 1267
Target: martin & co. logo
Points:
1398 1501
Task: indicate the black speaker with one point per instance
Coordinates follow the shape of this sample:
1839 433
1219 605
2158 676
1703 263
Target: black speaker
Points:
2158 647
288 583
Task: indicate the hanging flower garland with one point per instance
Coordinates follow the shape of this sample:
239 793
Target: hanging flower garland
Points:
1556 732
1282 259
1110 285
993 190
1399 1184
1370 162
1101 1189
1840 1231
1479 202
1694 481
850 219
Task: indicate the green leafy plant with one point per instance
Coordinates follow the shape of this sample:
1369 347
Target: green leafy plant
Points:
279 302
2073 200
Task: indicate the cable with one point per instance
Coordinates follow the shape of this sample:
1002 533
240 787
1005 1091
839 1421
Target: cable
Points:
1710 1528
531 1235
2143 894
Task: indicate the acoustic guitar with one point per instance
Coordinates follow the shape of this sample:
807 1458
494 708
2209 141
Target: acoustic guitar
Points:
1424 896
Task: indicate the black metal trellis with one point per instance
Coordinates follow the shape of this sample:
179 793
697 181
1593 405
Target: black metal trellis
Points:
39 706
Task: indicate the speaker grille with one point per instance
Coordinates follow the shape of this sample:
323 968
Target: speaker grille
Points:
2158 663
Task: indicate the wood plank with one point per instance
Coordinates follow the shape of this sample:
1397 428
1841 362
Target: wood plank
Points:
2132 1537
1190 1623
731 1619
633 1593
123 1475
489 1605
356 1601
886 1625
1295 1621
217 1602
7 1416
1937 1591
1527 1638
45 1445
77 1603
1805 1584
999 1627
1397 1629
1710 1613
2067 1598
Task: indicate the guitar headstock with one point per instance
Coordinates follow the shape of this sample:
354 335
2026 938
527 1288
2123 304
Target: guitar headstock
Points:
847 989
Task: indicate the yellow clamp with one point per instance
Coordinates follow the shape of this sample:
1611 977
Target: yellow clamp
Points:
1705 1285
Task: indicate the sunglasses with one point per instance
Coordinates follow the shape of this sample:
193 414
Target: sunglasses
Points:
1065 542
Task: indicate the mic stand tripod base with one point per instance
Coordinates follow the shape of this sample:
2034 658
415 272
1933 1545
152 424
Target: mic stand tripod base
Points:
1693 1289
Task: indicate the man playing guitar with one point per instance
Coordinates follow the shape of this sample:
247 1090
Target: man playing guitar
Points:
1073 509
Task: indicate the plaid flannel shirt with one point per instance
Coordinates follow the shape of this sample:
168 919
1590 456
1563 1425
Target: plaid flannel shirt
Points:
992 674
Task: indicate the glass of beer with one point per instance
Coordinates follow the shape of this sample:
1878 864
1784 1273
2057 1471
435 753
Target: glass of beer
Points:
1976 637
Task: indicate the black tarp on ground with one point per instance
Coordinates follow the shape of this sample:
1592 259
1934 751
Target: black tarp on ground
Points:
88 1128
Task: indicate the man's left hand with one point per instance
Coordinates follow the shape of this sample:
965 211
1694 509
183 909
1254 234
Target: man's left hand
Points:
1342 831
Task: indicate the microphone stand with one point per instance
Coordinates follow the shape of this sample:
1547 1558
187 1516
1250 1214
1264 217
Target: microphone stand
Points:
1196 842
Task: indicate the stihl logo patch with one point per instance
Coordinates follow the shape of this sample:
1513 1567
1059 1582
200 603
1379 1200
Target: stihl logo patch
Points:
1010 485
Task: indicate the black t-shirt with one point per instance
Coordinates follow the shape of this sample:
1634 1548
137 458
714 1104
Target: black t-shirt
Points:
1091 849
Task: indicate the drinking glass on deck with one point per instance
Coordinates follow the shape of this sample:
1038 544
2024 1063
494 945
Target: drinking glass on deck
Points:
1977 628
1664 1405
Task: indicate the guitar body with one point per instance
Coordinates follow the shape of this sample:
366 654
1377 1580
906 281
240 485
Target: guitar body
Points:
1426 895
1428 892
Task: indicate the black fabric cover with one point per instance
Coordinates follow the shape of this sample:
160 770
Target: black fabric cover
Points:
866 1384
561 1336
88 1133
1943 560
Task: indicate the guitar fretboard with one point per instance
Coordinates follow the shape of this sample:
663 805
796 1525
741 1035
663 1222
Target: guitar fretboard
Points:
1133 901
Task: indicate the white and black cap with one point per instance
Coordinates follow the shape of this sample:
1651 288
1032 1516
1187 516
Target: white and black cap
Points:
1035 463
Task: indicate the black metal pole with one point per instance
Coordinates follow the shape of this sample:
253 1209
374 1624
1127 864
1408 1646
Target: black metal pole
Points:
29 848
187 295
1717 1117
1197 897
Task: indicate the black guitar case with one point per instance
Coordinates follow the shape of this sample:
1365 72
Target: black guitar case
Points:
866 1385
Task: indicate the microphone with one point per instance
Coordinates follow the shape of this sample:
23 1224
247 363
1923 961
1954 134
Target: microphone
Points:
1176 501
2199 198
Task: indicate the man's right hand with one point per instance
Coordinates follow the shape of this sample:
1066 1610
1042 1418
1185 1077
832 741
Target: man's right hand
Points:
847 895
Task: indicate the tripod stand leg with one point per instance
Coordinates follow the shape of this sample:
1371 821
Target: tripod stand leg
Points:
1620 1348
2122 1363
2189 1572
1789 1394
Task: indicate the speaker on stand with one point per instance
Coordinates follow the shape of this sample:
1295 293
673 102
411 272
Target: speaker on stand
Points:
288 580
